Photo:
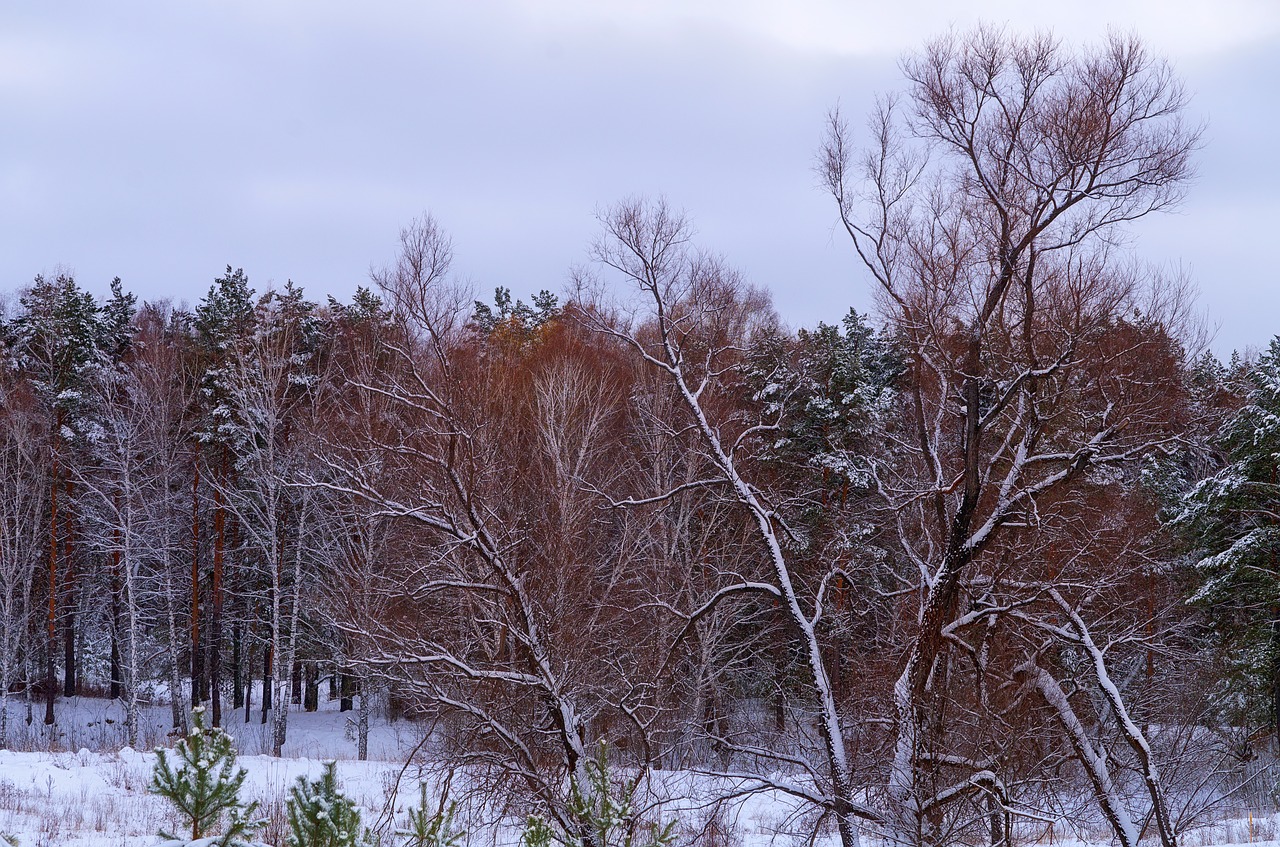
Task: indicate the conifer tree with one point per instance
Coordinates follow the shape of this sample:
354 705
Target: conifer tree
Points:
205 786
320 815
432 829
55 340
1231 522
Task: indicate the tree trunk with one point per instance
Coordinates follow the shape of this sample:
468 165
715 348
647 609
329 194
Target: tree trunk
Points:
114 692
268 674
171 600
996 817
362 723
70 684
197 658
248 682
115 616
215 630
237 669
311 687
1275 675
51 674
348 688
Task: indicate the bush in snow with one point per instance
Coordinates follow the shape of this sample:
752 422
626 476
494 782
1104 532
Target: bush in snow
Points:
205 786
320 815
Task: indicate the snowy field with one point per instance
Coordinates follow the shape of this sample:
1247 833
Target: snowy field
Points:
78 786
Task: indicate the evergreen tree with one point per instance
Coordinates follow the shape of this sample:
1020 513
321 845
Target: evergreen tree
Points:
1231 521
116 327
55 340
432 829
829 387
223 324
206 785
601 814
515 318
320 815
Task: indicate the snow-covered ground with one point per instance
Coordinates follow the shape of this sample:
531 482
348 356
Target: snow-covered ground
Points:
77 786
97 724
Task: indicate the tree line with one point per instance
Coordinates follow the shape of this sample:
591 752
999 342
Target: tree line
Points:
933 574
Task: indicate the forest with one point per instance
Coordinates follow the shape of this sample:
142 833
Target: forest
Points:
1003 551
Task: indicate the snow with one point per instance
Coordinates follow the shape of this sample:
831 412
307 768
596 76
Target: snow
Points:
79 787
98 725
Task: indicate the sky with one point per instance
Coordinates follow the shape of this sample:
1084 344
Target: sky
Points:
161 141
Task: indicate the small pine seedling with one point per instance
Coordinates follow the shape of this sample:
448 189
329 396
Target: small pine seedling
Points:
603 812
432 829
205 785
320 815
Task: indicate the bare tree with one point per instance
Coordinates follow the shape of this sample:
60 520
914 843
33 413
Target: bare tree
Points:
128 488
515 616
22 498
694 333
268 402
988 219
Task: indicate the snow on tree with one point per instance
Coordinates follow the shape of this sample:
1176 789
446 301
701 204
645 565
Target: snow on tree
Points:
320 815
204 786
1231 523
432 829
56 341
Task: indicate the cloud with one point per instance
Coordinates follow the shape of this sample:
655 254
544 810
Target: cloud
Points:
32 66
851 27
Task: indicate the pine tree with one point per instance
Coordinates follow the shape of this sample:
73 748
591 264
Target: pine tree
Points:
602 814
432 829
1231 521
320 815
55 340
206 785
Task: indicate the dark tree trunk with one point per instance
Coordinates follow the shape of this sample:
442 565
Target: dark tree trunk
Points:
311 688
116 687
248 683
295 683
237 669
266 682
348 693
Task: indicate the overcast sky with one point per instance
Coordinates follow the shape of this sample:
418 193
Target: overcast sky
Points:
161 141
